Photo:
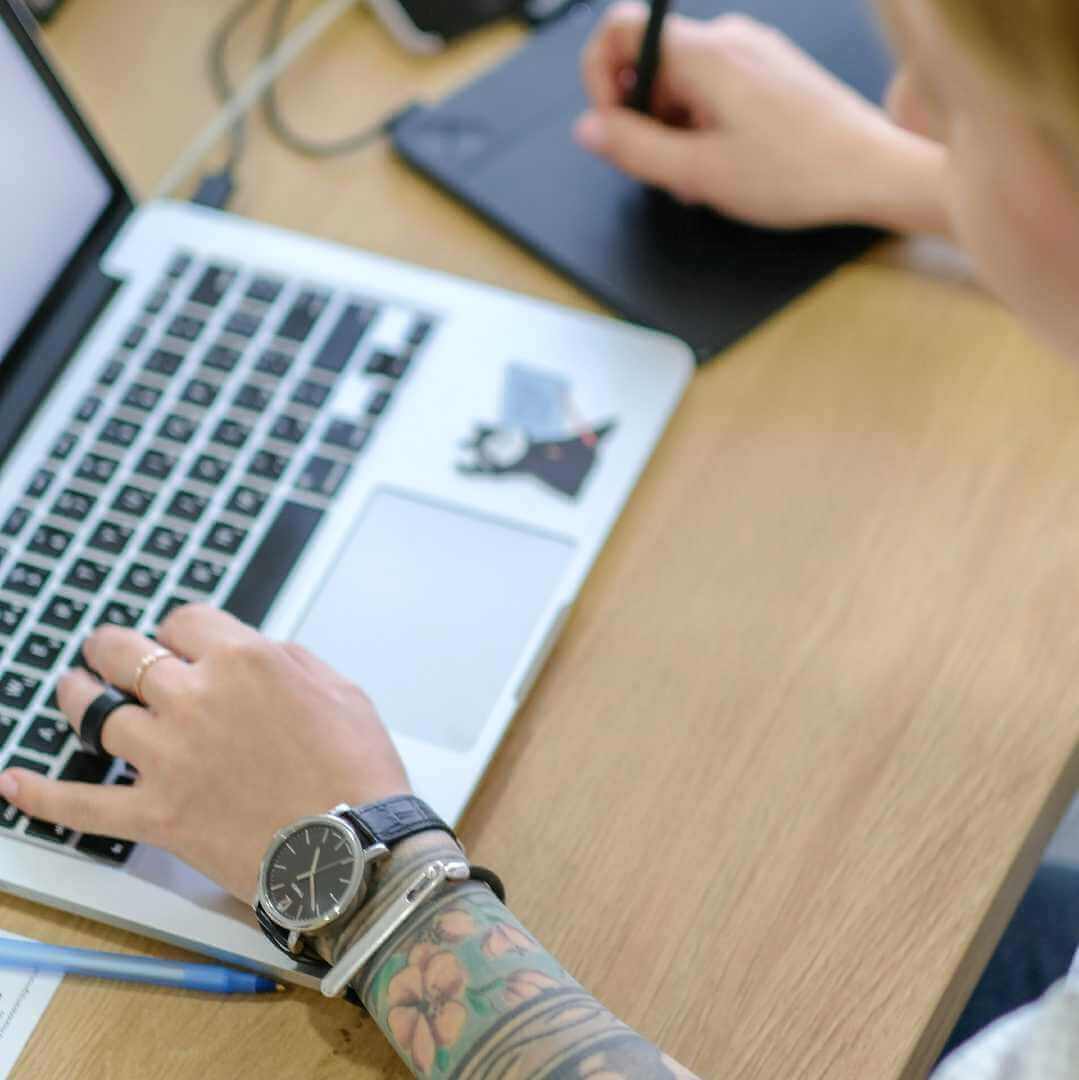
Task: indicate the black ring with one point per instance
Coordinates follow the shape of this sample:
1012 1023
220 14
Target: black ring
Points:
98 711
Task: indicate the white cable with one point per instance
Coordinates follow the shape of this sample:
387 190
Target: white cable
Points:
260 80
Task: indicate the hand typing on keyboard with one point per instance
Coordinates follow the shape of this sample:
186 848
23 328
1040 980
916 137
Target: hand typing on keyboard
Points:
239 737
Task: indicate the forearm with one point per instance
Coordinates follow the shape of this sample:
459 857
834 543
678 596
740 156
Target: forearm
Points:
465 991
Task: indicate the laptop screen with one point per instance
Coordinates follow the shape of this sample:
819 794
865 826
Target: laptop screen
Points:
52 192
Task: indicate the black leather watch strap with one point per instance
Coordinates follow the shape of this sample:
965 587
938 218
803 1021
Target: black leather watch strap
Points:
390 821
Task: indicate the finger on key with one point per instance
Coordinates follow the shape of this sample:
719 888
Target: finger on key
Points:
127 733
101 810
195 630
115 653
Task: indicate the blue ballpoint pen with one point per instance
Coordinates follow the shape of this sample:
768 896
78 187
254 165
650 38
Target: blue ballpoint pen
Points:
209 978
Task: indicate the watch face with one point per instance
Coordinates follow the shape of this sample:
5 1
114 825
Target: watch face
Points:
313 873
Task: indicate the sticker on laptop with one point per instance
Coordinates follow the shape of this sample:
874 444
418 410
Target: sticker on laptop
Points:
540 434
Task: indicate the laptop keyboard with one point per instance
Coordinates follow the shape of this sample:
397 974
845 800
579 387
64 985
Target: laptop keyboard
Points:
196 468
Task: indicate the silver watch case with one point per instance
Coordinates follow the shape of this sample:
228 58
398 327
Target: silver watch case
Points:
359 880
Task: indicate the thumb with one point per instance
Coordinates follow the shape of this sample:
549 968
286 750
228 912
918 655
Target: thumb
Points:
644 148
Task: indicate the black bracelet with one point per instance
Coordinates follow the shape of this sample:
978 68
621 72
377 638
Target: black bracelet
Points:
490 879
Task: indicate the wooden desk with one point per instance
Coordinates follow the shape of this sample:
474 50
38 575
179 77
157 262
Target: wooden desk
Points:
816 715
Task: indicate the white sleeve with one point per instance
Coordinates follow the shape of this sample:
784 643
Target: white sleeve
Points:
1039 1042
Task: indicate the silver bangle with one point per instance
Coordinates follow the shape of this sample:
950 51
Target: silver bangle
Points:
422 890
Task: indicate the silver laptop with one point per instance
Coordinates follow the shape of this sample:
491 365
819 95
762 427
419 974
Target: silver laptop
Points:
408 473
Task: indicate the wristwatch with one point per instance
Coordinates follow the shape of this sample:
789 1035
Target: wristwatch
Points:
317 872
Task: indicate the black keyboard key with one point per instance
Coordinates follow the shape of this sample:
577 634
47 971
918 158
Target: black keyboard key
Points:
135 336
176 428
133 500
88 408
170 606
7 726
388 364
72 504
243 324
311 394
253 397
111 372
274 362
11 615
85 768
141 397
421 330
346 435
202 576
96 469
163 362
111 537
178 267
322 476
46 735
156 301
87 575
15 521
106 847
17 691
225 538
201 393
142 580
187 506
64 613
303 316
49 541
119 614
272 562
269 568
27 580
345 336
165 543
222 358
268 465
209 469
246 501
265 289
18 762
61 449
377 405
231 433
119 432
40 483
212 286
156 464
185 328
39 651
289 429
9 815
47 830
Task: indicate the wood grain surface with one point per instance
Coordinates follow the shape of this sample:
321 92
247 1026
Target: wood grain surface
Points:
797 755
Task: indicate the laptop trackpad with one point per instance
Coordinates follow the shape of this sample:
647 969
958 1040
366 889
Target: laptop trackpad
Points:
429 609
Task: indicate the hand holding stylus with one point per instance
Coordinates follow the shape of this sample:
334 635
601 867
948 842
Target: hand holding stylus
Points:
744 121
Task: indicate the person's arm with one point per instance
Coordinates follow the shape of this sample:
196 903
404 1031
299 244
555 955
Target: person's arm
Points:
466 991
242 736
748 123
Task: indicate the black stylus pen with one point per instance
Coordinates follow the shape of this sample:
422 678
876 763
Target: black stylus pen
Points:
648 63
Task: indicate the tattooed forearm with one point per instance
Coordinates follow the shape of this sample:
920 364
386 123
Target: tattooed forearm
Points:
466 992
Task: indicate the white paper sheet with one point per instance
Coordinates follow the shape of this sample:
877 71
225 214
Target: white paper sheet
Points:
24 997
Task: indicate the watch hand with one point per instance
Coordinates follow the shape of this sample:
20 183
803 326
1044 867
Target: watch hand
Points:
333 865
313 906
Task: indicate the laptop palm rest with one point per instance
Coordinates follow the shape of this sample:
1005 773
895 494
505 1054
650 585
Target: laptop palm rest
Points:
430 609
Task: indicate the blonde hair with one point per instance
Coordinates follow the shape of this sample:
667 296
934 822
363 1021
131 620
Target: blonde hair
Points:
1034 46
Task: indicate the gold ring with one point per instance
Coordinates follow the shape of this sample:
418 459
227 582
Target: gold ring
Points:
145 664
